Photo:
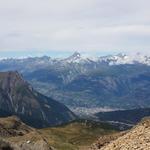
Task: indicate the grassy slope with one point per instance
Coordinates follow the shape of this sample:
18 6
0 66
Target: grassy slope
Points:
67 137
74 135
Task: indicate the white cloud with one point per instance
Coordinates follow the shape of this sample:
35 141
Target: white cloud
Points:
84 25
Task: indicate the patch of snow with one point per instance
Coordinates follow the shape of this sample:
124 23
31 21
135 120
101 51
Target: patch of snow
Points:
28 142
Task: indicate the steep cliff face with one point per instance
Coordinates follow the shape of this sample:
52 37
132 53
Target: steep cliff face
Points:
17 97
137 138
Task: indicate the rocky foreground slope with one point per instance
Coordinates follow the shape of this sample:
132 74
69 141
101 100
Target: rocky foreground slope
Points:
15 135
138 138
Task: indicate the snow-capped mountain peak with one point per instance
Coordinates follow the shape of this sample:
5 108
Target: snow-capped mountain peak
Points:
76 54
75 57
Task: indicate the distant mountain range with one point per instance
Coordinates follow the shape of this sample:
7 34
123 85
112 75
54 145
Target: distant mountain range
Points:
114 82
76 57
17 97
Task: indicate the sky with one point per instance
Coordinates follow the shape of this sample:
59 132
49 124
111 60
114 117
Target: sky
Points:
59 27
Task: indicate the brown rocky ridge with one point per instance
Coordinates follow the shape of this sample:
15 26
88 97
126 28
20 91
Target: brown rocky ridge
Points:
15 135
138 138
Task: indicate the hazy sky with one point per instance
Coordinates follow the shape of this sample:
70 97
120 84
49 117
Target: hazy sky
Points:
46 26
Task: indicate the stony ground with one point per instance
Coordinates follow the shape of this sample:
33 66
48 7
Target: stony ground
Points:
105 140
15 135
137 138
